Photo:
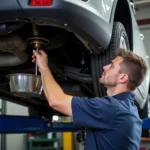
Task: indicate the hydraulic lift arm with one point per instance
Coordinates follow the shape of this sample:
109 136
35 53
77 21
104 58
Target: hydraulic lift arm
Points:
26 124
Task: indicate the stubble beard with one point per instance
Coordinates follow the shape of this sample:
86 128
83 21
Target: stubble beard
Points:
102 81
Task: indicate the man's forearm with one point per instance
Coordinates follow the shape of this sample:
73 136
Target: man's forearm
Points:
57 99
53 91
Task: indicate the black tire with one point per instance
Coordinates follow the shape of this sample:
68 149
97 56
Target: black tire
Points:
98 61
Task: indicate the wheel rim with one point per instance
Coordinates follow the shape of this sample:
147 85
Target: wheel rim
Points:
123 42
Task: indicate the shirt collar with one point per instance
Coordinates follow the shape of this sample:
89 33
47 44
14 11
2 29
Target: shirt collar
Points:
124 96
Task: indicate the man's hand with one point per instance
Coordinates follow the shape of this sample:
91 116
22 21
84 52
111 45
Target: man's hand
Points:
41 58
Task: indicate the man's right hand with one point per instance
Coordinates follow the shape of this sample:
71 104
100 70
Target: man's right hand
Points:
41 58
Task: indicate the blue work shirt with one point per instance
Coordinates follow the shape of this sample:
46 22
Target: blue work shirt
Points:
112 123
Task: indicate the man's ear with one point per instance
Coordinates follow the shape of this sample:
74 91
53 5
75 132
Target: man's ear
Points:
123 78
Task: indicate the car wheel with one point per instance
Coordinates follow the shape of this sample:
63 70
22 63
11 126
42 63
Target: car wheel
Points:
119 39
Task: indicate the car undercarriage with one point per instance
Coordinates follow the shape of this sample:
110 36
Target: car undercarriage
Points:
69 60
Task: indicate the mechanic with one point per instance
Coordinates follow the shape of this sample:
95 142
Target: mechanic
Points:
112 122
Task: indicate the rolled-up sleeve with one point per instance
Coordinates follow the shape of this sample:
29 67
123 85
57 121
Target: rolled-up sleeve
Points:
93 112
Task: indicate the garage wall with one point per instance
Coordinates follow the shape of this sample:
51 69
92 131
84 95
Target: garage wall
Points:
145 30
144 13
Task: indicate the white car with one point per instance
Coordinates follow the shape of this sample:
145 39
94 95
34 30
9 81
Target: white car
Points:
80 37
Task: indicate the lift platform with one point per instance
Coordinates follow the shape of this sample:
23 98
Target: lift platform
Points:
28 124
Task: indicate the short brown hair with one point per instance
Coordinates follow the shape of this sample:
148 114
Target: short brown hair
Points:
134 66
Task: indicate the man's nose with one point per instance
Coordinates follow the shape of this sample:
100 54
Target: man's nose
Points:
105 68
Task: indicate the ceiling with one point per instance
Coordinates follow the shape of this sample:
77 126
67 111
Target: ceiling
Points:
141 3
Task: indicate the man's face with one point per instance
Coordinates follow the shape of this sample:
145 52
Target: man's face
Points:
110 75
